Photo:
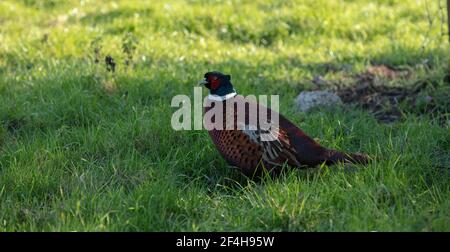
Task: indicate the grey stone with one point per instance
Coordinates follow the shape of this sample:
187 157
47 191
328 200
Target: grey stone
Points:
307 100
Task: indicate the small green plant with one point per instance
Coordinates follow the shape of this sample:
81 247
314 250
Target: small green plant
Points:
96 48
129 45
110 63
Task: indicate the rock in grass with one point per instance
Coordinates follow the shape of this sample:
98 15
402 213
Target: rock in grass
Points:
307 100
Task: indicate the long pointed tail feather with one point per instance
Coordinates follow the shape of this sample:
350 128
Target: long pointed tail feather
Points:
335 156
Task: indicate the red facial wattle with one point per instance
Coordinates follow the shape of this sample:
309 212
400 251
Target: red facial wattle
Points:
214 83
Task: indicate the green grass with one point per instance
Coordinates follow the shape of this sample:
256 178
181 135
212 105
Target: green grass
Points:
88 150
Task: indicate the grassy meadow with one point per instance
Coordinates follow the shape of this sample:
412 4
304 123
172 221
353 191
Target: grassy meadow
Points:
86 148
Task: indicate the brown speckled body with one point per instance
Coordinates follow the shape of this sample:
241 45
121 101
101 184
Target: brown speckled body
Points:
293 146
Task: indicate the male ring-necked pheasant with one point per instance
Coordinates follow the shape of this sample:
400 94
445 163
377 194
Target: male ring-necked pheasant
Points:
244 146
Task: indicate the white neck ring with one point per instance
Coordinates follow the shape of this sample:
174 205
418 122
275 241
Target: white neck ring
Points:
221 98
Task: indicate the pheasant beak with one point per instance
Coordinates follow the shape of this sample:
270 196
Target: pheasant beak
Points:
203 82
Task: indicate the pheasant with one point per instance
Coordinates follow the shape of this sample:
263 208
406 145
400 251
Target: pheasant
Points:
243 144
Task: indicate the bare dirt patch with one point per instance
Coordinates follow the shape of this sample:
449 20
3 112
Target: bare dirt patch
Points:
371 90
